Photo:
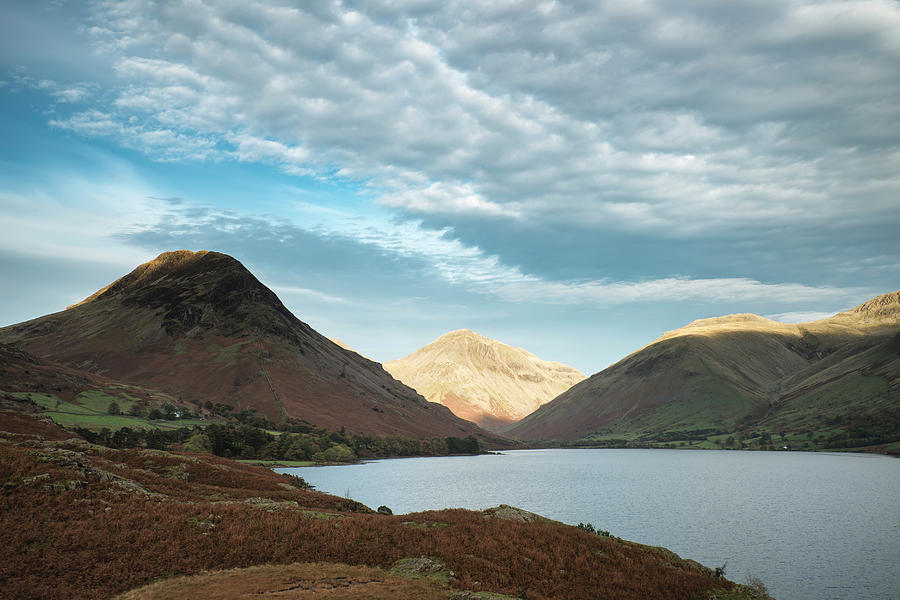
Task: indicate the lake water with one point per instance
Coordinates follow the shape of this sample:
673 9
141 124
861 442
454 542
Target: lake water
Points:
812 526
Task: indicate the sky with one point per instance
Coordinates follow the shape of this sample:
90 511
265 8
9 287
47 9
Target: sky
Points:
574 178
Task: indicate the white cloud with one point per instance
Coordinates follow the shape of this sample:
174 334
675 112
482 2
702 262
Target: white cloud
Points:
799 316
73 217
306 293
675 118
472 268
63 93
445 198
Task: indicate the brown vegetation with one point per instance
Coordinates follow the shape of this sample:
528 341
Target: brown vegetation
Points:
292 582
81 521
14 421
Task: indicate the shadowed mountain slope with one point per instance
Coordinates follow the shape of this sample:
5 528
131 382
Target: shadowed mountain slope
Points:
481 379
728 374
200 326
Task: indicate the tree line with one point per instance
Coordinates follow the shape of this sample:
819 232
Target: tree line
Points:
244 438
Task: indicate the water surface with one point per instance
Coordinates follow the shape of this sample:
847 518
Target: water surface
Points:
812 526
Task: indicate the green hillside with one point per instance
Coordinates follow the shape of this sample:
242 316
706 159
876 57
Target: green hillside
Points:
743 381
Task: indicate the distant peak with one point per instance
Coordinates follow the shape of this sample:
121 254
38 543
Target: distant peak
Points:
883 307
462 333
741 321
729 319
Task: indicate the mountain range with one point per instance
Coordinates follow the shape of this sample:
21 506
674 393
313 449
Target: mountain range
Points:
199 327
836 380
481 379
190 330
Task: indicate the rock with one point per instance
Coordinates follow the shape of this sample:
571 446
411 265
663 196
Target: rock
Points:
259 501
36 478
423 566
64 486
384 510
511 513
134 487
272 505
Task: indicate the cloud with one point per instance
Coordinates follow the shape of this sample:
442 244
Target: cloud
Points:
657 116
70 216
800 316
77 92
404 257
301 292
442 198
558 151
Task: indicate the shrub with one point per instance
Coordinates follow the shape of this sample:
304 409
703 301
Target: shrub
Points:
756 584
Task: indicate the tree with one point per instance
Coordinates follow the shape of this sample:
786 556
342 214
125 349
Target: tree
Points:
198 442
457 445
156 439
113 408
340 453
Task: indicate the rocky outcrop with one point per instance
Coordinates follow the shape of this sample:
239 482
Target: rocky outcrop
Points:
511 513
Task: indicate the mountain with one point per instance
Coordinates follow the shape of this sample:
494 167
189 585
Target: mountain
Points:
836 380
200 327
481 379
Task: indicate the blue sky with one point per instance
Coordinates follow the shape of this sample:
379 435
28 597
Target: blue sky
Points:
571 177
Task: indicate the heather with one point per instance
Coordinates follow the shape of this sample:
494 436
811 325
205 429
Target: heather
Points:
85 521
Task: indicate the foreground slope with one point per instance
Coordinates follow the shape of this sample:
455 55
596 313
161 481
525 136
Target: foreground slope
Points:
481 379
200 327
839 376
84 521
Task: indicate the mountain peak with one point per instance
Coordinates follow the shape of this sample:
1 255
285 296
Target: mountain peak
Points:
739 321
199 325
736 318
482 379
885 307
462 334
204 289
167 264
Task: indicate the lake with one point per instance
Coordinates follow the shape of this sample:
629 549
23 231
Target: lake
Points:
812 526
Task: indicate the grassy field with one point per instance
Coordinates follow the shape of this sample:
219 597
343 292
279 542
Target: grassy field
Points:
91 412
